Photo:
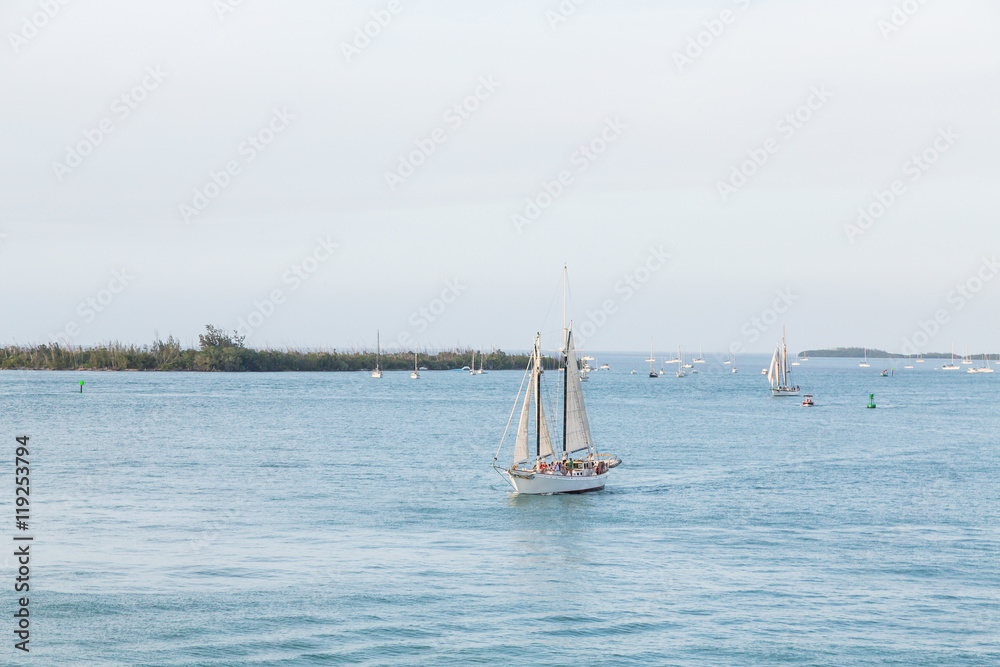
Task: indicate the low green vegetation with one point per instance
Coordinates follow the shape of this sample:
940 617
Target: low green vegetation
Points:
220 350
859 352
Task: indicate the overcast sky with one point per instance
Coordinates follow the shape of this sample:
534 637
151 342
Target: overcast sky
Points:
117 118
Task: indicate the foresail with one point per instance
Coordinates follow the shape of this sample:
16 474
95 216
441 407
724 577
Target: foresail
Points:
773 372
577 426
521 443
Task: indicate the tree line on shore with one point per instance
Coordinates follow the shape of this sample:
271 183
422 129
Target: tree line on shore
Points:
220 350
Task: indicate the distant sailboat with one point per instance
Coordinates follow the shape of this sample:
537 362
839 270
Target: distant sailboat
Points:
985 368
548 474
952 366
377 373
414 375
777 373
865 364
482 365
700 359
908 364
681 365
472 369
652 371
733 369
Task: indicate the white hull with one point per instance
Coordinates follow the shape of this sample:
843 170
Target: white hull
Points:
535 484
793 391
376 374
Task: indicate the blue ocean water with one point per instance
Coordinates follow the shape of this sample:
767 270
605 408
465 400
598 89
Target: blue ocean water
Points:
328 518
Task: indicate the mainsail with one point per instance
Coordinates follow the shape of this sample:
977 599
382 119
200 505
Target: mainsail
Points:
774 371
577 436
522 444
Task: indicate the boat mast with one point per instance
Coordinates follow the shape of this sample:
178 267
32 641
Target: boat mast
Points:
784 358
378 349
538 397
566 336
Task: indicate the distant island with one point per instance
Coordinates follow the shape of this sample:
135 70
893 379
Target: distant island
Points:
874 353
221 351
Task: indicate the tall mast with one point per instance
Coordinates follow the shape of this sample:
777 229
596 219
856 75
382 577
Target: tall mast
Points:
565 387
784 358
538 397
378 349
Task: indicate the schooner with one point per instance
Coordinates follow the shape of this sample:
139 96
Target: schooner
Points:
777 373
536 467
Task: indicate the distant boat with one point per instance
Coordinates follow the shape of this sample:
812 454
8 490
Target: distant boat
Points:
733 369
807 401
482 367
549 474
985 368
414 375
472 369
377 373
908 364
865 364
952 366
884 373
605 367
967 360
700 359
652 371
920 359
763 371
681 365
777 373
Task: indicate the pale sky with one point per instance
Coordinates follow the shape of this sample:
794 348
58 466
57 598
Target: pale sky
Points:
184 85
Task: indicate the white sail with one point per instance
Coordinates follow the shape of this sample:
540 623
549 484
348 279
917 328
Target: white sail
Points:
521 443
577 427
545 441
774 371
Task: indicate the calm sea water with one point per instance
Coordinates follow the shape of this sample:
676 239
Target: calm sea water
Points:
285 519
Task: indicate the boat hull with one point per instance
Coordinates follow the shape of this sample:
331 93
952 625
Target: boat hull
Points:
536 484
793 391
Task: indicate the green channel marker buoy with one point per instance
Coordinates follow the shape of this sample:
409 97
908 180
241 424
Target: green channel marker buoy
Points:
871 401
81 386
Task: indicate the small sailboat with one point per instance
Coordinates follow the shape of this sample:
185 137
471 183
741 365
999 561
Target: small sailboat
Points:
733 369
952 366
546 473
482 365
681 365
377 373
865 364
920 358
985 368
700 359
414 375
777 373
472 369
652 371
605 367
966 359
908 364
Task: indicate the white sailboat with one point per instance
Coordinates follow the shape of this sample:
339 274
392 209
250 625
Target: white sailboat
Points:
985 368
377 373
700 359
482 365
414 375
777 373
681 365
545 472
865 364
733 369
952 366
652 371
